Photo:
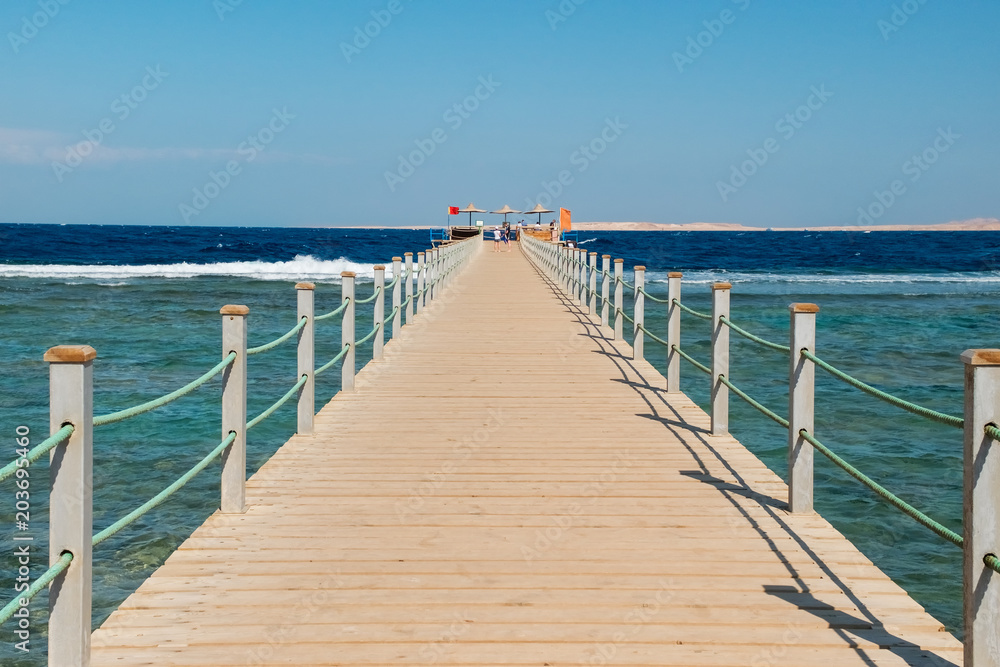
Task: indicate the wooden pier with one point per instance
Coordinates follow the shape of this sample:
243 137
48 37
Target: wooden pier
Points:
507 486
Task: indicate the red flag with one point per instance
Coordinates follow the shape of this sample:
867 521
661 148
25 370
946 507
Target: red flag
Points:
452 210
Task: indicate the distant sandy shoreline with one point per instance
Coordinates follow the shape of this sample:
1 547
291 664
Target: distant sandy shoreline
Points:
973 225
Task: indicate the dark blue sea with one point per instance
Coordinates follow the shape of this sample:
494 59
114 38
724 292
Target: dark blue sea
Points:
897 310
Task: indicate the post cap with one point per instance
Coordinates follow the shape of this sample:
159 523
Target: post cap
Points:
407 254
70 354
347 274
675 274
639 268
234 310
305 286
379 267
803 308
605 256
420 253
717 286
593 254
397 259
981 357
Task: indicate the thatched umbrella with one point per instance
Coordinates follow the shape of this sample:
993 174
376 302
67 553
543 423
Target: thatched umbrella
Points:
539 209
470 209
505 211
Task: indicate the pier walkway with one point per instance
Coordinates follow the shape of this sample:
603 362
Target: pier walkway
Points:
508 487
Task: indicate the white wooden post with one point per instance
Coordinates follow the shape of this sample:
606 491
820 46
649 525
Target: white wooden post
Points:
561 266
378 313
638 312
605 286
305 293
673 330
981 511
581 257
409 286
421 280
619 318
234 410
71 483
801 398
397 299
347 331
432 274
720 358
592 306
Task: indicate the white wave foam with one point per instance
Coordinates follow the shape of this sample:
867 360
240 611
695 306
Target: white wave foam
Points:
587 241
706 277
303 267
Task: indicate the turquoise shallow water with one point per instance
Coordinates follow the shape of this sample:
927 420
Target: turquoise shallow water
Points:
901 331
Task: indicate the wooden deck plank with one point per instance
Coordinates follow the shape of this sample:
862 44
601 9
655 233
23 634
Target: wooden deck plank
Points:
507 487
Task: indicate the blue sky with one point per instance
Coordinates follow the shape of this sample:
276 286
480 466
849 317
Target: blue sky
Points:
262 113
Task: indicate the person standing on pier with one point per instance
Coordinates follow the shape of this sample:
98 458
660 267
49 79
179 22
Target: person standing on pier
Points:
505 236
496 239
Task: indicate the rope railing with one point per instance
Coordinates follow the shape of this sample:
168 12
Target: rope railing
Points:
277 404
621 312
371 334
927 413
137 410
884 493
278 341
654 337
160 497
992 562
691 311
757 339
767 412
35 588
653 298
374 295
395 309
334 312
694 362
340 355
38 451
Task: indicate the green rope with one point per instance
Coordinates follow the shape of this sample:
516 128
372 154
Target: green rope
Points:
278 341
335 312
992 562
654 337
371 298
653 298
622 281
625 315
394 281
281 401
340 355
132 516
927 413
38 451
991 431
128 413
378 325
746 397
395 309
746 334
691 311
685 355
54 571
893 500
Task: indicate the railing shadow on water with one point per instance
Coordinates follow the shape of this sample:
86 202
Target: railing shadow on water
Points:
649 384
